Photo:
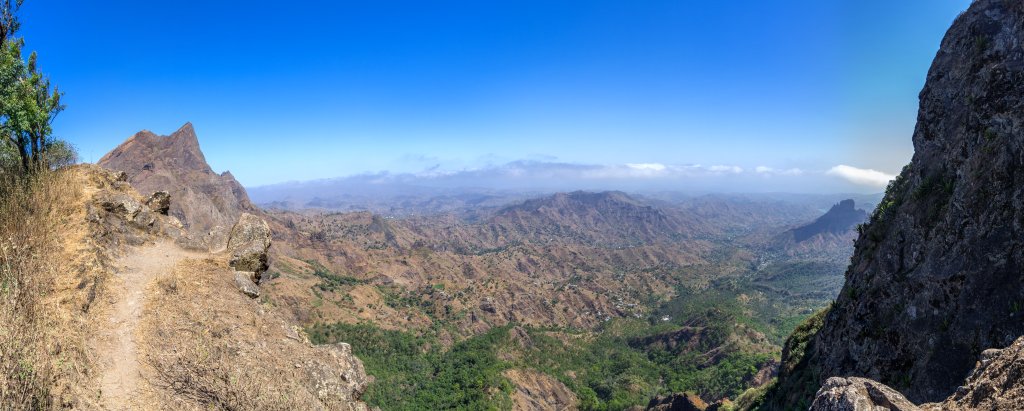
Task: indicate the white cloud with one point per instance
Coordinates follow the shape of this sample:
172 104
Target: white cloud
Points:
861 176
646 166
725 169
765 170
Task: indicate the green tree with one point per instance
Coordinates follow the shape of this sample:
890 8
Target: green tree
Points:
28 103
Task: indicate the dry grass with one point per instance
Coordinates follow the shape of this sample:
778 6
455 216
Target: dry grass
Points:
205 345
45 290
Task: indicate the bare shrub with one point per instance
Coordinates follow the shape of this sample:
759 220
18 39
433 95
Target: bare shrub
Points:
168 284
202 371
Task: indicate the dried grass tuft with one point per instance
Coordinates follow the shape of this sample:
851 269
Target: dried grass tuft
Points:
42 352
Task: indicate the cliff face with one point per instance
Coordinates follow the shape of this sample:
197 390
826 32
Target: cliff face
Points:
936 275
202 199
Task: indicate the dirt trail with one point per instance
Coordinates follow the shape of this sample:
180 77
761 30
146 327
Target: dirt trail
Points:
116 347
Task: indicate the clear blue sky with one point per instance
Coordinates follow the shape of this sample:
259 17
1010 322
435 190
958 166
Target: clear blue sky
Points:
283 91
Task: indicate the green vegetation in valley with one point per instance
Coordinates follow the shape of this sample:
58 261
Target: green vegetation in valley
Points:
710 341
412 373
611 369
330 281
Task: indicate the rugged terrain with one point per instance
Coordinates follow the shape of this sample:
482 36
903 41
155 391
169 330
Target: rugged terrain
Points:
935 278
172 329
667 294
203 200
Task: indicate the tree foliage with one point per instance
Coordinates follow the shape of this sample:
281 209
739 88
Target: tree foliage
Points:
29 103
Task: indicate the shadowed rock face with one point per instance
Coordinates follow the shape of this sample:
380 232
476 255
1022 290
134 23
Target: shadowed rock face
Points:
840 219
201 199
994 384
936 276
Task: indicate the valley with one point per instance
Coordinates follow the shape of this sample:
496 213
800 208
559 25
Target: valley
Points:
618 207
590 300
621 298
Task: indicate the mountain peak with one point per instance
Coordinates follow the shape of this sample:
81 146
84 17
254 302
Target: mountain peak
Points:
186 132
842 217
175 163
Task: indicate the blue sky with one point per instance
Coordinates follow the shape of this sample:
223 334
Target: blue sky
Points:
309 90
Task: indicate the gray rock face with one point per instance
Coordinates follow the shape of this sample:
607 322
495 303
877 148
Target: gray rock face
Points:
936 275
333 387
859 394
119 203
244 282
248 243
994 384
159 202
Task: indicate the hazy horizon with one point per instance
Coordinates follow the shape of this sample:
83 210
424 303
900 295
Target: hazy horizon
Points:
802 97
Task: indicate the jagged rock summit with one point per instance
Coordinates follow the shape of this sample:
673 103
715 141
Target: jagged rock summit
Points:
840 219
936 277
203 199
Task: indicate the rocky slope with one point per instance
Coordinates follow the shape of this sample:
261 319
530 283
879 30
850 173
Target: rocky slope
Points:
173 331
993 384
203 200
935 278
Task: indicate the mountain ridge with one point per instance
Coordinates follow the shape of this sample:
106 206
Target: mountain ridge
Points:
204 200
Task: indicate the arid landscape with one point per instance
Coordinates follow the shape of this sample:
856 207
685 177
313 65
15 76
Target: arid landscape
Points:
152 278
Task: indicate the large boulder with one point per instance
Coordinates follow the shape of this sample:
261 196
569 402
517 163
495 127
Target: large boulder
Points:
121 204
337 375
248 243
159 202
244 282
996 383
859 394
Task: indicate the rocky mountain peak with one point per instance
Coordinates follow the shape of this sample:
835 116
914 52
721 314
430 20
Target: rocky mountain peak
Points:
203 200
841 218
936 274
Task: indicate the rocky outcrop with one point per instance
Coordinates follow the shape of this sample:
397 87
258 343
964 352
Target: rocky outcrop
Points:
175 164
994 384
936 275
243 280
248 244
859 394
159 202
119 215
538 391
677 402
340 379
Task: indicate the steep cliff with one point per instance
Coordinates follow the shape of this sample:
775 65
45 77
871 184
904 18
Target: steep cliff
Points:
203 199
936 275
